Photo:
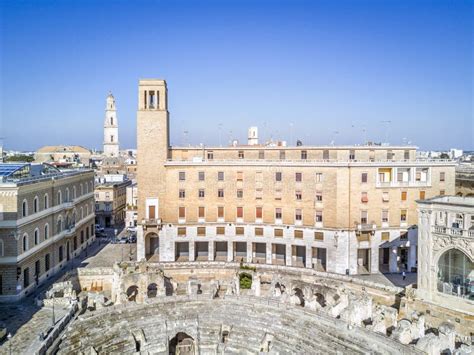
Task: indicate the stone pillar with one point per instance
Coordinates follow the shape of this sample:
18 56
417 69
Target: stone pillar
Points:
249 252
230 251
374 259
210 250
412 256
289 255
393 259
140 243
309 257
192 251
268 253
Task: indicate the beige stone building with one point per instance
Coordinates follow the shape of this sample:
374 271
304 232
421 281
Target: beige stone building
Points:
446 252
339 209
110 203
64 154
46 219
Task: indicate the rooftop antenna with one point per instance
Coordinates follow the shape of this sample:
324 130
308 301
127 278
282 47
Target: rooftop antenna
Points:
387 126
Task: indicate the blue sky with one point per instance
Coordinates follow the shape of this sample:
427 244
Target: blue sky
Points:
325 66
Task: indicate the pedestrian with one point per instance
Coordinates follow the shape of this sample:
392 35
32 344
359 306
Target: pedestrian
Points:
404 275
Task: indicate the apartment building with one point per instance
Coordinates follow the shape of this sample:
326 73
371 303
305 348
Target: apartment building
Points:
446 257
131 207
334 208
46 219
110 202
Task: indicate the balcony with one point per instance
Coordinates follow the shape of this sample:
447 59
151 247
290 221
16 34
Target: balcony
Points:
454 232
366 227
151 222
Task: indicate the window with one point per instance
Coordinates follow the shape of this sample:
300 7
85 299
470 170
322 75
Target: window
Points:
319 177
46 201
442 176
46 231
182 231
298 215
26 277
25 242
390 155
182 212
59 198
220 193
319 196
352 154
326 154
261 154
111 121
258 212
241 154
298 234
298 195
220 230
442 192
201 176
364 198
363 217
318 235
385 236
35 205
201 193
240 212
278 232
239 231
385 196
240 193
201 231
210 155
278 213
61 252
111 138
182 176
220 176
364 178
259 231
298 177
422 195
46 262
282 155
182 193
240 176
403 215
304 155
24 209
258 194
371 155
67 195
220 212
319 216
404 196
278 176
201 212
36 236
384 216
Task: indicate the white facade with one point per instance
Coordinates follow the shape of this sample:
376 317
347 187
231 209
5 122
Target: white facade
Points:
111 141
446 252
253 136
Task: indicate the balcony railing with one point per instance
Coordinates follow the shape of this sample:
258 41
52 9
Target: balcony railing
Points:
455 232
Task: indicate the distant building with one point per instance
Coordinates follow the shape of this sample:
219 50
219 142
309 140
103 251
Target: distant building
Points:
253 136
46 219
111 141
70 155
455 153
465 180
110 202
132 203
446 252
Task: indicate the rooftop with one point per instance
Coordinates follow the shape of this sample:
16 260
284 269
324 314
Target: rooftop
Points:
449 200
23 173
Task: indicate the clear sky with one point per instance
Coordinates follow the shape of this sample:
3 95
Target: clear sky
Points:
322 66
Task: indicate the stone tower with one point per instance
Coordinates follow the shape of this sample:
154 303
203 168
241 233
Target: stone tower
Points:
111 142
152 146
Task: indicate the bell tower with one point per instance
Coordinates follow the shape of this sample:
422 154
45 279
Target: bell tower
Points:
111 142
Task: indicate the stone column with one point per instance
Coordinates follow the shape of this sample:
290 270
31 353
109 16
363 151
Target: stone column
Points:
268 253
374 259
230 251
192 251
210 249
412 256
309 257
140 243
289 255
249 252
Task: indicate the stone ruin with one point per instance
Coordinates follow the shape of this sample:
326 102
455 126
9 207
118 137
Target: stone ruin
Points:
60 293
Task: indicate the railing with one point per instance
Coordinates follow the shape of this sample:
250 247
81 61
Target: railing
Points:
455 232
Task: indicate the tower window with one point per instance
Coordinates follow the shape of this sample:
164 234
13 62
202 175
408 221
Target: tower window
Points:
111 120
111 138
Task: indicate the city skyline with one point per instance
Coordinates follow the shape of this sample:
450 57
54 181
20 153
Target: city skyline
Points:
242 64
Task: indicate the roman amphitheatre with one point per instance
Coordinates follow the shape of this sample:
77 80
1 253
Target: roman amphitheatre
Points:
236 308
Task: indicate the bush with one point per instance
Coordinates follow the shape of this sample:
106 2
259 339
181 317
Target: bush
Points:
246 267
245 281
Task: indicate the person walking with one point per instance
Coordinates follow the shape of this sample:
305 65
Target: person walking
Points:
404 275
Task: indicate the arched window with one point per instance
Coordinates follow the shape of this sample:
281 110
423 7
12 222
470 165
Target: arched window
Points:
59 198
25 242
46 231
91 186
59 225
112 121
35 204
87 210
37 237
87 188
24 208
455 273
46 201
82 213
67 194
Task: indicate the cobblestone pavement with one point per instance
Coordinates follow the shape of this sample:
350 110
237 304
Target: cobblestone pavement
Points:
110 254
394 279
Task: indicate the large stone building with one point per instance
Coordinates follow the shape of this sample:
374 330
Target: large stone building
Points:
46 219
339 209
131 208
446 257
67 155
110 202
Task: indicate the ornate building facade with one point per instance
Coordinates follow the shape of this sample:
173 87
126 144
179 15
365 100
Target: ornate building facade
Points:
341 209
111 141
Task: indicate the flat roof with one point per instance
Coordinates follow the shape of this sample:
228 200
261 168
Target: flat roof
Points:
449 200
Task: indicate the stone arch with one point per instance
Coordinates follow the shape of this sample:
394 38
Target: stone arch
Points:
36 204
181 343
298 296
320 299
152 244
152 290
455 272
24 208
132 293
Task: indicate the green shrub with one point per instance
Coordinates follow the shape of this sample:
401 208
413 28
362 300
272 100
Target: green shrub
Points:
245 281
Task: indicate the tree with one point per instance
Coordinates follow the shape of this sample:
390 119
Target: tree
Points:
20 158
